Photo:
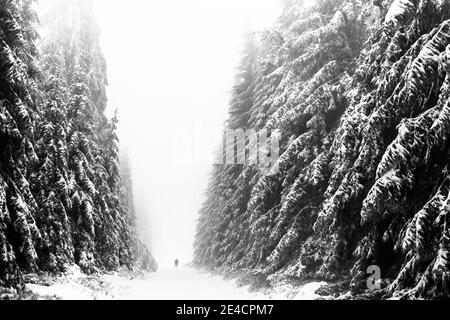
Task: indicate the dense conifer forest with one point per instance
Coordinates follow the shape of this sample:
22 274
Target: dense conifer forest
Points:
359 93
62 200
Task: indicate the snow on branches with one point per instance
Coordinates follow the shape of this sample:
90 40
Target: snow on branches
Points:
363 113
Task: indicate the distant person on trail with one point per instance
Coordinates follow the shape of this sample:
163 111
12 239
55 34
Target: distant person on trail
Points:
176 263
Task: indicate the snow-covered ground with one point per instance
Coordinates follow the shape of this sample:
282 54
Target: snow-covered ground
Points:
166 284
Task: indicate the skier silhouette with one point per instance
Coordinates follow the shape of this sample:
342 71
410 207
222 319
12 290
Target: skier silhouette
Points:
176 263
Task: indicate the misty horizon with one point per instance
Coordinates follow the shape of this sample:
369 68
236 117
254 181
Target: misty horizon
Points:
202 61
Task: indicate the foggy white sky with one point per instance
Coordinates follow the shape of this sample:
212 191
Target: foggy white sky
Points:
170 68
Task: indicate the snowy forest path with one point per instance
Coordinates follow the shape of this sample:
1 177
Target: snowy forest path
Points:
181 284
165 284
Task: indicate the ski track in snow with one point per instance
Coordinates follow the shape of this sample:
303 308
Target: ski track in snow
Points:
166 284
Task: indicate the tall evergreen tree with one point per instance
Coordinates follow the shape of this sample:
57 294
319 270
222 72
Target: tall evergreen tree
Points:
358 92
19 100
62 200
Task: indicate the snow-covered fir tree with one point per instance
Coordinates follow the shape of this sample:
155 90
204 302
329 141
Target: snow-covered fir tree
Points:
62 200
359 91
